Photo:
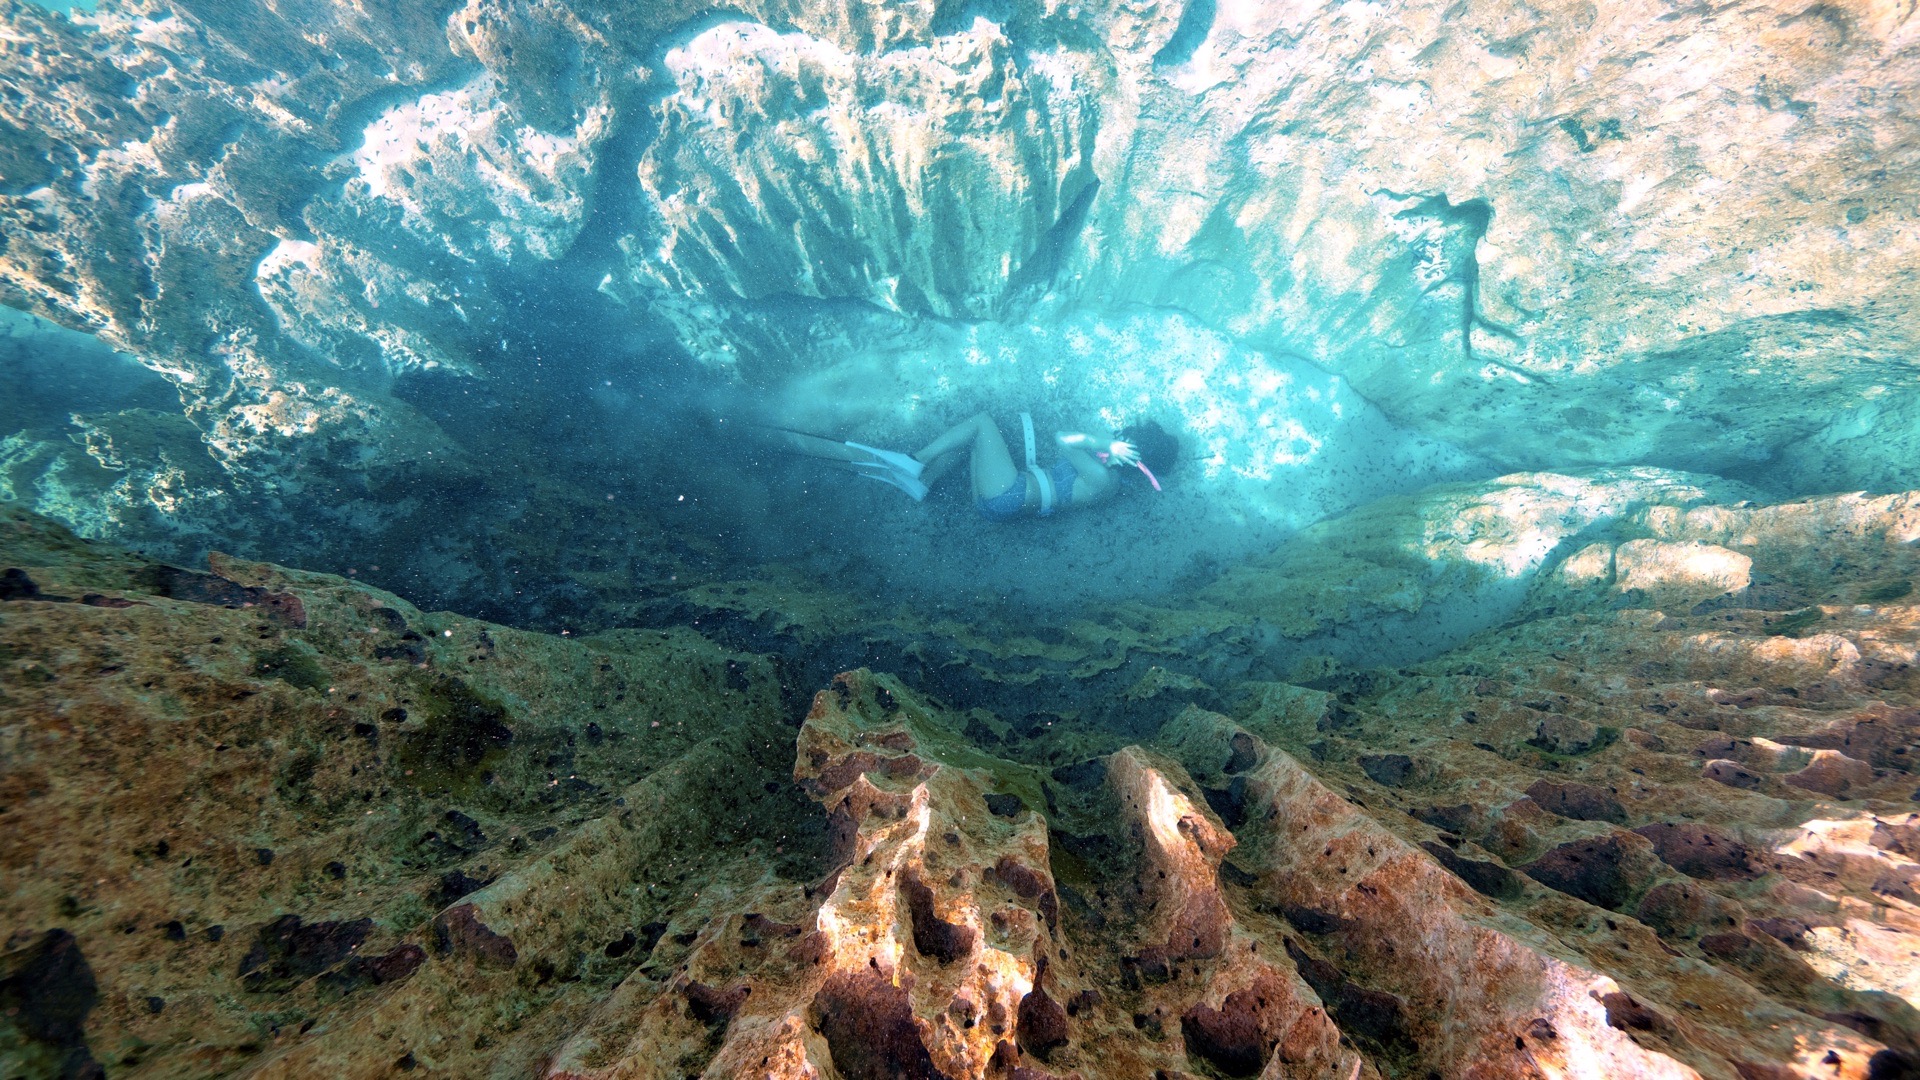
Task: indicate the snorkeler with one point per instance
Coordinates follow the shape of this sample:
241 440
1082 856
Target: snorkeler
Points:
1002 490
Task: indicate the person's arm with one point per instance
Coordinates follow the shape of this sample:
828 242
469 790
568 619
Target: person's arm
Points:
1080 448
1114 453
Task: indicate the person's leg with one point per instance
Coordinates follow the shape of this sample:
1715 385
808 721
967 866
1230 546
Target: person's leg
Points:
939 467
958 437
993 467
817 447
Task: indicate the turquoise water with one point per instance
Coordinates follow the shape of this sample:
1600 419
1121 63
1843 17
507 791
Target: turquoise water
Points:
926 538
515 332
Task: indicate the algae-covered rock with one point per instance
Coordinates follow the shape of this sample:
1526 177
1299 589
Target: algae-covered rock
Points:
278 823
1741 555
274 780
1464 554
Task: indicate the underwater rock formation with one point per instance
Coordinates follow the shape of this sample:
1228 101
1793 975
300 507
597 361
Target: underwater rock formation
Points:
276 823
1496 226
1397 580
1597 767
1549 236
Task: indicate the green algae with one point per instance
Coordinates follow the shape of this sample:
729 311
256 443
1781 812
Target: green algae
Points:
453 734
292 665
1545 757
1885 591
1795 624
938 740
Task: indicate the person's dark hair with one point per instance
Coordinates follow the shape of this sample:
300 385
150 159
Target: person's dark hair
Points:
1158 448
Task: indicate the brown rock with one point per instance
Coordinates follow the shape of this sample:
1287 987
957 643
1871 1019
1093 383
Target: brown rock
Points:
711 1005
1240 1036
1389 770
1832 773
932 935
1600 870
1698 851
1042 1023
867 1022
1681 909
1565 735
460 932
1582 801
1731 773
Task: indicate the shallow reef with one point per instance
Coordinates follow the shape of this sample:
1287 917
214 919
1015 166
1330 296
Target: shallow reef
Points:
1655 820
1515 678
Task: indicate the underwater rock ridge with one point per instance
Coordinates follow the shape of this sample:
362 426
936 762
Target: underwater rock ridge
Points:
616 855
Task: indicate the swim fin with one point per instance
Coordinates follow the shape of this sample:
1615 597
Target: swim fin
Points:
909 484
905 463
891 467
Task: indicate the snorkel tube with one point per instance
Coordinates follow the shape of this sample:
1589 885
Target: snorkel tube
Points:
1151 479
1141 465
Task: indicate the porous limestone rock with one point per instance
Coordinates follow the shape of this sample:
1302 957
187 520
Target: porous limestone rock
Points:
1426 861
1531 232
922 952
937 946
1459 556
281 824
237 802
919 176
1433 950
